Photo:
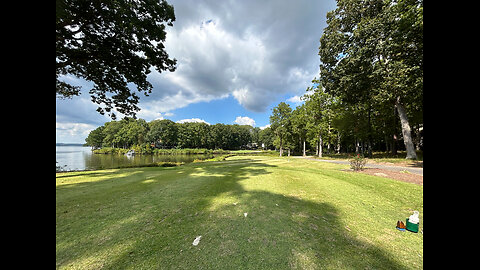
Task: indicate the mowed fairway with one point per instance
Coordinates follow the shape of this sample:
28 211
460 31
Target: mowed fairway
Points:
301 215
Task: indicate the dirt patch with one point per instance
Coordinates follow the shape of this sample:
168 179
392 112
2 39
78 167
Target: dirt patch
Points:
401 176
406 163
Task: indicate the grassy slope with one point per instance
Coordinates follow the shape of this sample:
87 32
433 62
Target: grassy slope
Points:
301 215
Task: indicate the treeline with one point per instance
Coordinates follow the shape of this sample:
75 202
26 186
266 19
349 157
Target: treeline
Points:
370 92
371 55
166 134
326 124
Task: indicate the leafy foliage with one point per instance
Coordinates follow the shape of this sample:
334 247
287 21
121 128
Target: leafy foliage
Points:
357 163
372 60
280 124
166 134
112 44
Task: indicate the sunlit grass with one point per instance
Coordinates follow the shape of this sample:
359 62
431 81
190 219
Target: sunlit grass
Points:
301 215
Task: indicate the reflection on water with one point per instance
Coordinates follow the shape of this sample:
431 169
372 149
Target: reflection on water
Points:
81 158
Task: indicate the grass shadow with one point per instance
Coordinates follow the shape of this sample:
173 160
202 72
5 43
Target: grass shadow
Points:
152 221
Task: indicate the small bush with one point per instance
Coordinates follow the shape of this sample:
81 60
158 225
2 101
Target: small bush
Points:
358 163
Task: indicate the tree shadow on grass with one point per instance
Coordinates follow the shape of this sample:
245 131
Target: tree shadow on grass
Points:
155 227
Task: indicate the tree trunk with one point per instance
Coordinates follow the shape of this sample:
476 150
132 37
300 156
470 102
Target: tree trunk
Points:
281 147
394 144
418 137
369 137
357 147
304 153
387 149
394 138
338 143
406 131
299 142
320 142
328 143
369 149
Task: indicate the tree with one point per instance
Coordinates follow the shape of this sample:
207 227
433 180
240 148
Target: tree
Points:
112 44
299 125
266 137
244 135
280 123
318 106
372 54
218 136
110 132
132 132
95 137
255 134
185 135
162 132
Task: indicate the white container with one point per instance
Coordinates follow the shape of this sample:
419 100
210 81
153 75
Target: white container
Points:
414 218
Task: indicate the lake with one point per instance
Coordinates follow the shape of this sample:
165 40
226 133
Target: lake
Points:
71 158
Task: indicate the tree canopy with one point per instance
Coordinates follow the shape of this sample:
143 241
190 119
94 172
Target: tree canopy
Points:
372 57
168 134
280 123
112 44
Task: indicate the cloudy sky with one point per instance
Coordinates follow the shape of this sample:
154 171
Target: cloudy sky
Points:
236 60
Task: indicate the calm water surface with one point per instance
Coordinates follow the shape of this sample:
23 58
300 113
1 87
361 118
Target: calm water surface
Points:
82 158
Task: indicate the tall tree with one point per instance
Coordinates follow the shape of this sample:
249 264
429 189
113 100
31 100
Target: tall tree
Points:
372 53
280 123
95 137
266 138
299 126
219 136
318 104
112 44
110 133
162 133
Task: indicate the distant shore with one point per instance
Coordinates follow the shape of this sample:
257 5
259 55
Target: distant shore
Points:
69 144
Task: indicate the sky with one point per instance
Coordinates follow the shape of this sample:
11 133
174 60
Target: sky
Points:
236 60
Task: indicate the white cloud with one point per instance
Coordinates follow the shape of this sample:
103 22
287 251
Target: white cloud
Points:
73 132
254 61
197 120
295 99
245 120
149 115
74 129
264 127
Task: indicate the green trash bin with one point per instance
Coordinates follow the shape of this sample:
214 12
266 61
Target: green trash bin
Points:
412 226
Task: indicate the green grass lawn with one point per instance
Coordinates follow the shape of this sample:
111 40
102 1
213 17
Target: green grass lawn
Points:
301 215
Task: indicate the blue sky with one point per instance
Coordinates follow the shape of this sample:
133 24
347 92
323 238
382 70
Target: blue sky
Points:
226 111
235 62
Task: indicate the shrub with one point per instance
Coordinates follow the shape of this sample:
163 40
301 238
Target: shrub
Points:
358 162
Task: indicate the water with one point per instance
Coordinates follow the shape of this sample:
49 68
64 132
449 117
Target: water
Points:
71 158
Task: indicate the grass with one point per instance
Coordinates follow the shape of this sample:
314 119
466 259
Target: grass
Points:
301 215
